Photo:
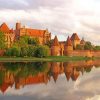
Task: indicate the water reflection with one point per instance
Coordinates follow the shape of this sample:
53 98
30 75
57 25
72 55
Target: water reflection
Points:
23 74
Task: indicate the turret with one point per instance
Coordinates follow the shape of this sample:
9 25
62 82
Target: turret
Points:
82 42
75 40
55 48
18 26
68 46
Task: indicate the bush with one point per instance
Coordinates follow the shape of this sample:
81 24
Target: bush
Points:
88 46
31 50
24 51
33 41
14 51
41 51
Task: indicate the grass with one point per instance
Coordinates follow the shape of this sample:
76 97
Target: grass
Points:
50 58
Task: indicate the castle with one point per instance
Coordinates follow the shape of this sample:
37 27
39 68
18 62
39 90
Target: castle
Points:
58 48
68 47
12 35
62 48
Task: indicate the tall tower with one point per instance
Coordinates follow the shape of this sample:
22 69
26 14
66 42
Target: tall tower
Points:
18 26
55 48
68 48
75 40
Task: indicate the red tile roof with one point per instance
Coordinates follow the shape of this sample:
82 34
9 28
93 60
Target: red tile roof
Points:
75 37
55 42
35 32
4 28
68 42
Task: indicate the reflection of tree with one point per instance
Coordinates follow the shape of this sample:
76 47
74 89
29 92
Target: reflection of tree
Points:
24 73
87 69
26 69
1 77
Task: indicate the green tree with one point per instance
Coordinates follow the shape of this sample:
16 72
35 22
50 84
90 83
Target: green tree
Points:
33 41
24 51
31 51
79 47
14 51
97 48
2 41
49 43
88 46
41 51
23 41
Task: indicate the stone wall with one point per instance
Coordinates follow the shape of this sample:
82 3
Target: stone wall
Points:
84 53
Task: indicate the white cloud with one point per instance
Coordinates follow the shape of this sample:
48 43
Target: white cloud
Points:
96 97
61 17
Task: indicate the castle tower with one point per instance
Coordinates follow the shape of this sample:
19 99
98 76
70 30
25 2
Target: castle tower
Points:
82 42
75 40
55 48
18 26
68 48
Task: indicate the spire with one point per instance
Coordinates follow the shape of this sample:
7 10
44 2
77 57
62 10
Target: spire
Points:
55 42
75 37
68 75
75 75
55 76
82 41
68 42
4 28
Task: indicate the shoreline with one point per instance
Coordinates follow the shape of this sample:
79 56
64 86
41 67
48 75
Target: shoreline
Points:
46 59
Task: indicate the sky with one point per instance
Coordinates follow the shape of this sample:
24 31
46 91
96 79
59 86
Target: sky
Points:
61 17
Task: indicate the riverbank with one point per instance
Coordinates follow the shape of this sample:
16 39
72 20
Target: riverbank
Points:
50 58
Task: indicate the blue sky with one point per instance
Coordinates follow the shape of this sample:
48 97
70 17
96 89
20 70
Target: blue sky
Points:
61 17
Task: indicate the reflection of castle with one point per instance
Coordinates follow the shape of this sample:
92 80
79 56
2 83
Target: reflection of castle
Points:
72 71
11 35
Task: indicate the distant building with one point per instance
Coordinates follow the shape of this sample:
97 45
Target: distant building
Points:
63 48
11 35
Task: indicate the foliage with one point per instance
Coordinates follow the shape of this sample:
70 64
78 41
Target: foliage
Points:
2 41
88 46
24 51
97 48
23 41
33 41
14 51
41 51
49 43
31 50
79 47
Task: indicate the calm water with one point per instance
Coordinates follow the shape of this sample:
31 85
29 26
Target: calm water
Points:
50 81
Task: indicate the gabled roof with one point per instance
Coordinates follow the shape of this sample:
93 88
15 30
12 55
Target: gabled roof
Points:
55 42
4 28
35 32
75 37
68 42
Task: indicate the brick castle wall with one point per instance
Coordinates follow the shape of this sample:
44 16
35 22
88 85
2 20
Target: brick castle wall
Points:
84 53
